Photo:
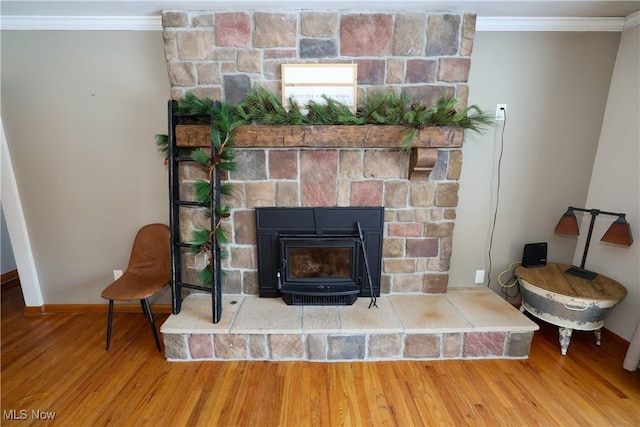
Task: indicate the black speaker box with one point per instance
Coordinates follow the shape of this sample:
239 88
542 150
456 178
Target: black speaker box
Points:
534 254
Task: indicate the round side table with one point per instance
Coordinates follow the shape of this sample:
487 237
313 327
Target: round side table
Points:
569 302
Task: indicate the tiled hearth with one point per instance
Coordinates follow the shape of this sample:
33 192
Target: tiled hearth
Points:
467 323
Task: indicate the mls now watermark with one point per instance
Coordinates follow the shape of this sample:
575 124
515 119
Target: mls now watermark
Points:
24 414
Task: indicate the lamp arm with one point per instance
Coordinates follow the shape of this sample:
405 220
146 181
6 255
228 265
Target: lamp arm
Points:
594 213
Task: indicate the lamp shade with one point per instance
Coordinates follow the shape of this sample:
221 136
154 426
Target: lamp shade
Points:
568 224
619 233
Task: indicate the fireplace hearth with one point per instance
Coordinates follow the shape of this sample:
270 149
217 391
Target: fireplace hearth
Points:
319 256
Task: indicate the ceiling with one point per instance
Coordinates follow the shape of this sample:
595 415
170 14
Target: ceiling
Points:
483 8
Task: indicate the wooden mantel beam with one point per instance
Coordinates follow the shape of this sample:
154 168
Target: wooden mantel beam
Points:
423 153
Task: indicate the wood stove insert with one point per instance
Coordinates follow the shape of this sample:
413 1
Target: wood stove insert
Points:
319 256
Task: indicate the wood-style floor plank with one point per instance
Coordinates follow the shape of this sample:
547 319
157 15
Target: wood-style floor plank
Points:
57 364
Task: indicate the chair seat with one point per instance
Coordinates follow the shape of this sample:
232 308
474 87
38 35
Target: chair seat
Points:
133 286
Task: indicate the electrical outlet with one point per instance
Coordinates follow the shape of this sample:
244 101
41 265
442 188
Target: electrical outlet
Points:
117 274
501 111
479 276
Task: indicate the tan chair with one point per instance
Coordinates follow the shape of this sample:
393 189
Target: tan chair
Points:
149 270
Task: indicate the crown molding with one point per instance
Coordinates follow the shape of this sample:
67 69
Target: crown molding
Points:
632 20
515 23
81 23
154 23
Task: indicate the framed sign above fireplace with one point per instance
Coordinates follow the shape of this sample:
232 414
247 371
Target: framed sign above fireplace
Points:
316 256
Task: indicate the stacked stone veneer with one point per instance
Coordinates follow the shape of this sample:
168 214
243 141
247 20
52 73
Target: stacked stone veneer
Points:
222 54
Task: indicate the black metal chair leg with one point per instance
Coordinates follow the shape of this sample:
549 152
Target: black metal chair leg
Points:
147 309
109 323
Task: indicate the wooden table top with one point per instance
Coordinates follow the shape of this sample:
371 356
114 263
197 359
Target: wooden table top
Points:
552 278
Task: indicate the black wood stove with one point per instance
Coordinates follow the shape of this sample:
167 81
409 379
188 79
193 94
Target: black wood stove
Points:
319 256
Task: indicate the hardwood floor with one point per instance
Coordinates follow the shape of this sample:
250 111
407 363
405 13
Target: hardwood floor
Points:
54 366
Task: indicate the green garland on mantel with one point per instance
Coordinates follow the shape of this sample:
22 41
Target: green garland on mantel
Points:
261 106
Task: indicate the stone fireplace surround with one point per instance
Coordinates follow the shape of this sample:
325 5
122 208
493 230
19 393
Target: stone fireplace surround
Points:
221 55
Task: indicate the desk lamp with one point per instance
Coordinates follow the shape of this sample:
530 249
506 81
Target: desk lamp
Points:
619 233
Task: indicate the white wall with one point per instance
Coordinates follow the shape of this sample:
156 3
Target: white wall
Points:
80 111
555 86
615 183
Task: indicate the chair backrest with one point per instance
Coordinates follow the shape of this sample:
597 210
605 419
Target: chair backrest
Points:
151 252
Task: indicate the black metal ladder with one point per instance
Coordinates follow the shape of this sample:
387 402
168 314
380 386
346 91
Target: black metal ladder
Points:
176 158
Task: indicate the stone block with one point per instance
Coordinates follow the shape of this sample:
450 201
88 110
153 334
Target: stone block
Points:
422 346
318 24
231 346
435 283
366 193
318 177
231 282
395 265
454 69
422 193
208 73
241 257
395 71
421 71
351 164
250 281
439 229
284 347
406 215
409 37
182 74
195 45
371 71
237 198
396 194
258 347
393 248
446 247
346 347
518 344
443 35
366 34
233 29
318 48
483 344
447 194
207 92
451 345
201 346
174 19
249 61
424 248
381 164
251 165
344 192
170 47
411 229
274 30
403 283
429 94
439 171
260 193
468 34
202 20
228 67
245 227
279 53
317 346
175 346
236 88
385 346
385 284
287 194
224 54
455 165
283 164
